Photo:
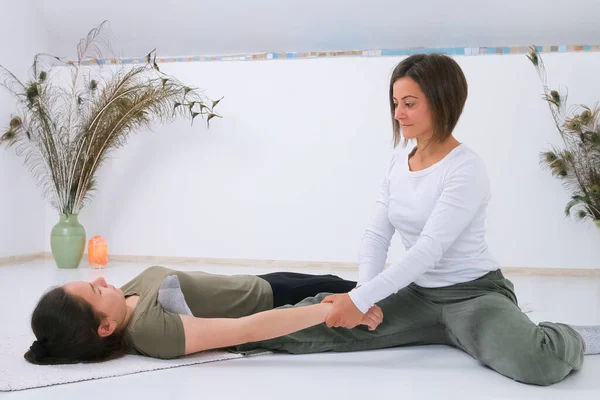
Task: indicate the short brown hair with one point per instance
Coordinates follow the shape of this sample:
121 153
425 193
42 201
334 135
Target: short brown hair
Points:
442 81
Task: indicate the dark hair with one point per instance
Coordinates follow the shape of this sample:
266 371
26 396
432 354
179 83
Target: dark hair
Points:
66 328
444 85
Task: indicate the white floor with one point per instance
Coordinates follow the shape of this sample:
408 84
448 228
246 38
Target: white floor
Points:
429 372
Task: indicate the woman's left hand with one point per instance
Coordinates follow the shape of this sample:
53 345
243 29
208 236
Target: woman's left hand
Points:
344 313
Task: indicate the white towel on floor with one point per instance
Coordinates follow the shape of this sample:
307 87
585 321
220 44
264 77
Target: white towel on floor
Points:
18 374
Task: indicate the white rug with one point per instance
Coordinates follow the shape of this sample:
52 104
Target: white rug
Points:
17 374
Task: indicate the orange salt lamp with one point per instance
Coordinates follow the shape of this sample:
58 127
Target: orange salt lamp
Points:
97 252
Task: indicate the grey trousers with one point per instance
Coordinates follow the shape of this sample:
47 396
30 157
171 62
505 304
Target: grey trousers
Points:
480 317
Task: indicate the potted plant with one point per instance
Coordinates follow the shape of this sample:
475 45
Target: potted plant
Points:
65 127
577 164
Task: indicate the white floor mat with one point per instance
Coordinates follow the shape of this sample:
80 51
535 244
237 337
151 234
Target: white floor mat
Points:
18 374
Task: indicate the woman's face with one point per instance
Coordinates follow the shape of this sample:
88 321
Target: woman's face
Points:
411 109
104 299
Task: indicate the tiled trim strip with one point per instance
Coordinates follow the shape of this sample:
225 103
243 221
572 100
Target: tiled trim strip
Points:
463 51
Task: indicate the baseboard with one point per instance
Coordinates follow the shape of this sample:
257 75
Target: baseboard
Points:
286 264
21 258
593 273
228 262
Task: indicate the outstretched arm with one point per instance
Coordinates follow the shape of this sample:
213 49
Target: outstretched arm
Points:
214 333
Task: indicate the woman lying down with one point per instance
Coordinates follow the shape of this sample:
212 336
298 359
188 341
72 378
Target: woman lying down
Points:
164 313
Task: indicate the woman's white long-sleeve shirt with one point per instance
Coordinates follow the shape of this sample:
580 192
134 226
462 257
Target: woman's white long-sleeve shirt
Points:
440 214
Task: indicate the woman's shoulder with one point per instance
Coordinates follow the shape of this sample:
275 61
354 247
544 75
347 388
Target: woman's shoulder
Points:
156 333
467 171
466 160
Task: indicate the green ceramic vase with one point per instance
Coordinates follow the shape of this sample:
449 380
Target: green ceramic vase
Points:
67 241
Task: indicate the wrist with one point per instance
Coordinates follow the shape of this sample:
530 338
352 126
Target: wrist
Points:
327 309
359 303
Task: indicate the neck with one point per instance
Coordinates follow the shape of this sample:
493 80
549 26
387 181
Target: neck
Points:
130 302
427 148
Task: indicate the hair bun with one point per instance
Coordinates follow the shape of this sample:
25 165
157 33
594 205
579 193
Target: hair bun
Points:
38 350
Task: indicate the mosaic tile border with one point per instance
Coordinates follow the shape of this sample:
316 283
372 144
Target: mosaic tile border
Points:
466 51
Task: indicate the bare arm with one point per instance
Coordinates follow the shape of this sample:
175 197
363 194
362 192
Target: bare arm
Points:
214 333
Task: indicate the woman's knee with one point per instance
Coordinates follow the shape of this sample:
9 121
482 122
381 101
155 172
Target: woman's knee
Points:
526 355
531 367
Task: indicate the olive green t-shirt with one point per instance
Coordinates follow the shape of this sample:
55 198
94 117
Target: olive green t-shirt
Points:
157 333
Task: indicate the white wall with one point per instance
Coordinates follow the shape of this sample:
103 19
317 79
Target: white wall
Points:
22 214
292 171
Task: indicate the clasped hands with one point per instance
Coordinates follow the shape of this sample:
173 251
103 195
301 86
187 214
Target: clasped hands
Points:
346 315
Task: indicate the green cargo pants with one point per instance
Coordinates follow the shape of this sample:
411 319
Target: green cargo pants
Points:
480 317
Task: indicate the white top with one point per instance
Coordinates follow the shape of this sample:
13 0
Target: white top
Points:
440 214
